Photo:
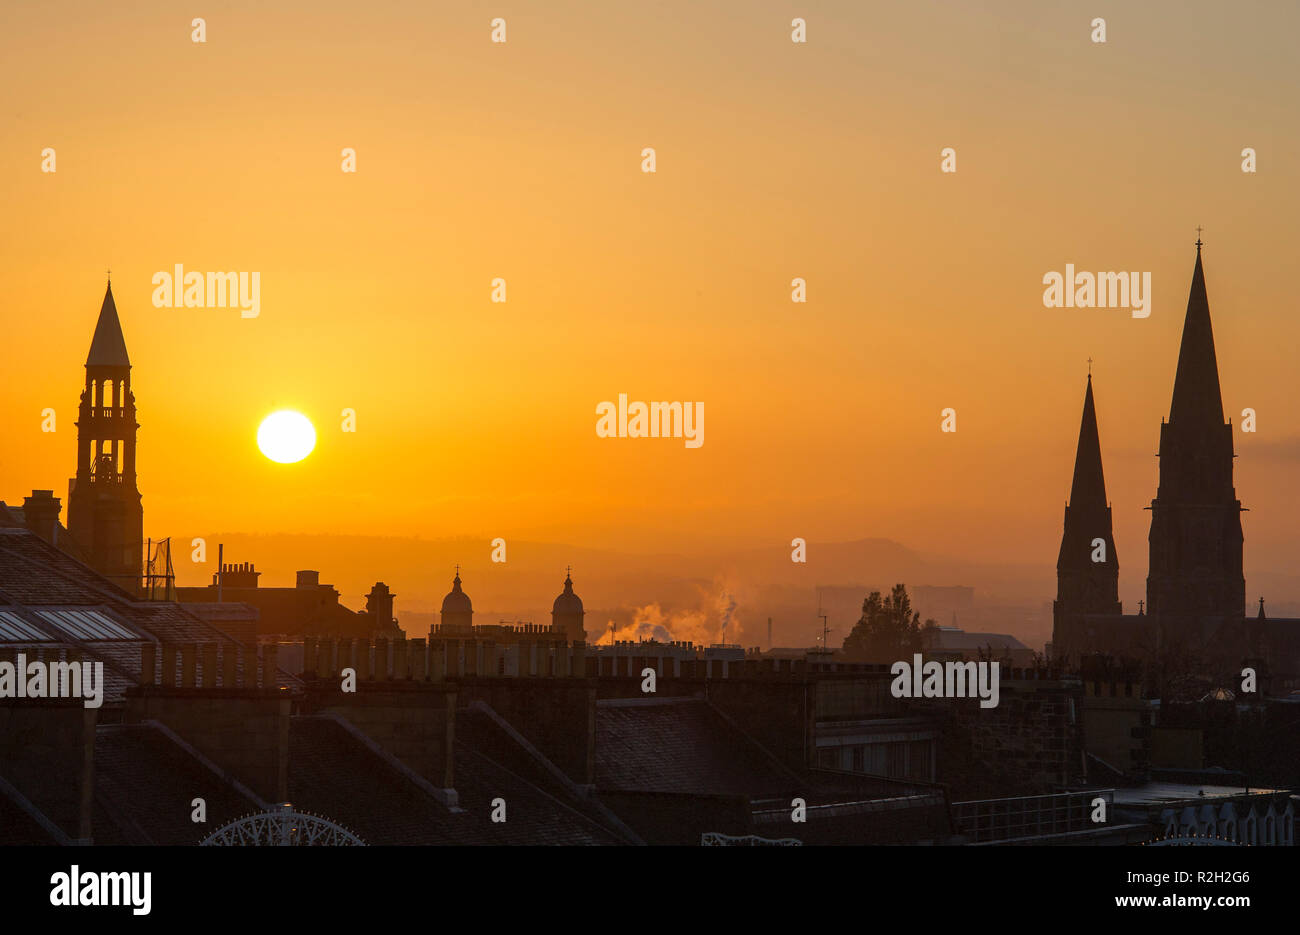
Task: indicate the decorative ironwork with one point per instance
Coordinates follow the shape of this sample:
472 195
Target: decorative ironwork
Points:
1192 840
717 839
282 827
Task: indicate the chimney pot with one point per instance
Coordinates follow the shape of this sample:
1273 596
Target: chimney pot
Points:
41 514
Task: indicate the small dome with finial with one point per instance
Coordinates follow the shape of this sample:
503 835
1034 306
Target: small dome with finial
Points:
456 601
568 602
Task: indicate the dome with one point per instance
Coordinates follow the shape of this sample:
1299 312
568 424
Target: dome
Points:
456 601
568 602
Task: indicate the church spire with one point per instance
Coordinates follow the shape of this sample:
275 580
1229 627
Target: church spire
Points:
1195 565
108 346
1197 399
1087 516
1088 490
1087 568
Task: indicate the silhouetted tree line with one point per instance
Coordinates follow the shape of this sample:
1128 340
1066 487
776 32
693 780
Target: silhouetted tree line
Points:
888 630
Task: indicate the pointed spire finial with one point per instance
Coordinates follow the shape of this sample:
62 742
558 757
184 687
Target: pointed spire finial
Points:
1198 238
1197 398
107 346
1089 368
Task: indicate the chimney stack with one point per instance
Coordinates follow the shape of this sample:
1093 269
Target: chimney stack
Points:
379 605
41 514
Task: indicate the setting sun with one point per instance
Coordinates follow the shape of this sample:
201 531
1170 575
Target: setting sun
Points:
286 436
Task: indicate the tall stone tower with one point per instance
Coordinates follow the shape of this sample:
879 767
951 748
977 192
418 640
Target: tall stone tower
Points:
105 515
1196 539
1087 570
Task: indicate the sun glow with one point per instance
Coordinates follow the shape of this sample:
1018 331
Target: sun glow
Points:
286 436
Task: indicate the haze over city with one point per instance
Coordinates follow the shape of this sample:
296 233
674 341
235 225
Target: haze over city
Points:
475 420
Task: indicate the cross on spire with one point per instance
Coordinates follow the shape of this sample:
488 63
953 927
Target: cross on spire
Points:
1198 237
1089 366
110 276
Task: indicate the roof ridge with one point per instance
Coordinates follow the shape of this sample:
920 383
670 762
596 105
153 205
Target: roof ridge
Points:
523 743
447 798
532 785
25 805
220 773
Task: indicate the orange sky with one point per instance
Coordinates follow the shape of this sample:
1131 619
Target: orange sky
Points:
775 160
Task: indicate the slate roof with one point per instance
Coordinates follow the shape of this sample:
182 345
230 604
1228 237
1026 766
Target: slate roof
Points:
947 638
16 516
222 610
681 745
18 827
144 784
651 750
35 574
478 730
332 773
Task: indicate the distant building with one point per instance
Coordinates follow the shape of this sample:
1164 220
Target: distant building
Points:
943 643
567 613
942 602
518 649
309 608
